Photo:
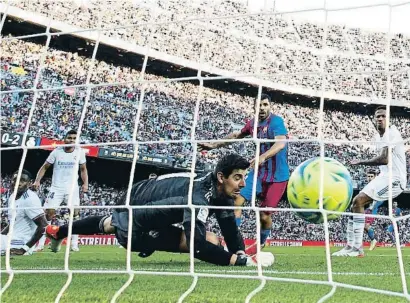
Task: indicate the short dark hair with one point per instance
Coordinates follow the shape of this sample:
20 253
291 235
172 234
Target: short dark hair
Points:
24 172
263 97
71 132
229 163
381 107
372 171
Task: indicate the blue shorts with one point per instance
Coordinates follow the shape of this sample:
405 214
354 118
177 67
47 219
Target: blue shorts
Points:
391 229
376 207
246 192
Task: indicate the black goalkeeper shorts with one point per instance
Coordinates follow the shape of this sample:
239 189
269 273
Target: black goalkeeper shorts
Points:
145 240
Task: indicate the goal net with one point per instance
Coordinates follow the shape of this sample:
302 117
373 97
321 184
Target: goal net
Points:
144 82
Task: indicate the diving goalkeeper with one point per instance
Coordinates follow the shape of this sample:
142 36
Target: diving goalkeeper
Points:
153 228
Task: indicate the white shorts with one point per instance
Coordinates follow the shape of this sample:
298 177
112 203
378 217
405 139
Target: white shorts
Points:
3 243
378 188
56 197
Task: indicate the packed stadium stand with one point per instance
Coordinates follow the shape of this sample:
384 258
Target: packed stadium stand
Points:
292 49
168 110
291 57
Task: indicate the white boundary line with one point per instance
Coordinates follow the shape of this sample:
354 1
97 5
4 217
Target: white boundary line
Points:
252 272
192 272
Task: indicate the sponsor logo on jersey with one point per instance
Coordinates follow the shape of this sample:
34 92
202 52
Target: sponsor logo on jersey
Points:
65 164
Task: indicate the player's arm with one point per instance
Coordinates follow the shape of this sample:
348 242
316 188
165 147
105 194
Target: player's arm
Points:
245 131
84 177
204 250
381 159
230 231
234 135
40 174
211 253
41 223
277 147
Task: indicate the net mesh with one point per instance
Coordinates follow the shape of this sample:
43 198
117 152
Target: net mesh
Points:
208 60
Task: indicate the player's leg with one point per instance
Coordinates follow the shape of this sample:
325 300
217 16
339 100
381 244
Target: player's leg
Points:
355 227
246 195
390 232
54 200
376 206
239 201
3 243
272 194
89 226
358 204
378 190
370 232
76 216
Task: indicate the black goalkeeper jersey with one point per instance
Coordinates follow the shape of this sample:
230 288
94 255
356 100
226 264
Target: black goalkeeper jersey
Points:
173 189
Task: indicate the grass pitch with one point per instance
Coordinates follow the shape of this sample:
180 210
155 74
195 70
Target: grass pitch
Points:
379 269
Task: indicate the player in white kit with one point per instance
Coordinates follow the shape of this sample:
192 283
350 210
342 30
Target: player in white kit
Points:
28 219
63 160
378 189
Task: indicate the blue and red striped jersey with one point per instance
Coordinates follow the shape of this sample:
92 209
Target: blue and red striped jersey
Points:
276 168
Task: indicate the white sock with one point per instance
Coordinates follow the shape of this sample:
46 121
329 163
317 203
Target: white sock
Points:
74 241
74 238
41 242
358 229
350 234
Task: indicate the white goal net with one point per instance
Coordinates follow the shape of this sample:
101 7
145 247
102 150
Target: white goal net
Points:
144 82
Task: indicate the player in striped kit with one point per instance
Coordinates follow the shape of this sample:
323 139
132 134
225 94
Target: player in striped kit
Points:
63 160
28 221
273 172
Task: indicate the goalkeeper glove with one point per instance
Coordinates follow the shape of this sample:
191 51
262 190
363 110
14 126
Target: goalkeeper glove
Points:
265 259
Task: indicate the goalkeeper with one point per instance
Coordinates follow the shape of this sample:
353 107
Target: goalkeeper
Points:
153 229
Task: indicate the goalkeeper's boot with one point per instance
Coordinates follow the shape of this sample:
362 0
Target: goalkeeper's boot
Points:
343 252
51 233
373 244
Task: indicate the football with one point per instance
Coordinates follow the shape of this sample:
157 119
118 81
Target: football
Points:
304 188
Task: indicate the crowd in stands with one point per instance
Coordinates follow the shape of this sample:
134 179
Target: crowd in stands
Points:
167 111
286 225
290 49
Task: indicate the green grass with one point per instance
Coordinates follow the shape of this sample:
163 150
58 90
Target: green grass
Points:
379 269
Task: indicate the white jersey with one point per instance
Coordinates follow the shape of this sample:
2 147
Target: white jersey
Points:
28 208
398 154
63 167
